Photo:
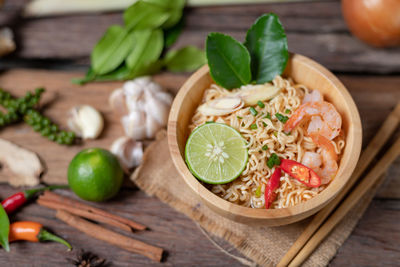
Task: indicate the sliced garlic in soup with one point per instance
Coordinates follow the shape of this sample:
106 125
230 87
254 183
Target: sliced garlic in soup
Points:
221 106
254 93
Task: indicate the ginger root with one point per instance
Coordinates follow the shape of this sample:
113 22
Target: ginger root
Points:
24 164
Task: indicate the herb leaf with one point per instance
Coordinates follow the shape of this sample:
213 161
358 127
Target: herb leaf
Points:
258 191
119 74
229 61
172 34
147 49
4 229
174 7
145 15
273 160
111 50
267 44
188 58
253 111
281 118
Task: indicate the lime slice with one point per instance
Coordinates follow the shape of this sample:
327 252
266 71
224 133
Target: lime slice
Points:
216 153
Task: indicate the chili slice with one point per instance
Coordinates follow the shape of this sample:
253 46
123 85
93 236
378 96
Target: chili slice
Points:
300 172
272 185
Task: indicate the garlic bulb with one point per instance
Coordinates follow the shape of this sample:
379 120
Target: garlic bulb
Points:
85 121
144 107
128 151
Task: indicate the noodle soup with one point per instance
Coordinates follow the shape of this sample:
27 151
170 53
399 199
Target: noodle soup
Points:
295 124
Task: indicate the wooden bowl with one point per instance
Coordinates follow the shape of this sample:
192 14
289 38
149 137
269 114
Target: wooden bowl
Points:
303 70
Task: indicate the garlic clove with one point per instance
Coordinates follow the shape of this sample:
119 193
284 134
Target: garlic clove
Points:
136 87
164 97
152 127
128 151
156 109
85 121
117 101
154 87
221 106
147 107
261 92
134 125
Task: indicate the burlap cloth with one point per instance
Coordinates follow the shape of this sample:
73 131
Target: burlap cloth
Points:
264 245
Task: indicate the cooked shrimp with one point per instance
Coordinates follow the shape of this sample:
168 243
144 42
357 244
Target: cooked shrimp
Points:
327 158
329 169
326 121
312 160
325 144
323 164
314 96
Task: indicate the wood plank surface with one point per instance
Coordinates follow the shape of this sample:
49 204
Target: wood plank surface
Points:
308 24
314 29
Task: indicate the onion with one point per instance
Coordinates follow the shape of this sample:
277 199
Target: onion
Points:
376 22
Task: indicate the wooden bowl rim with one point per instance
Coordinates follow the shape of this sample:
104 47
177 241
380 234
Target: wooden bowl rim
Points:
316 202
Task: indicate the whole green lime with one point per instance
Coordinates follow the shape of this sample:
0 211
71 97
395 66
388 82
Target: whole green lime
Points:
95 174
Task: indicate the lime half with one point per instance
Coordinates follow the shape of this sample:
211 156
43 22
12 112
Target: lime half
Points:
216 153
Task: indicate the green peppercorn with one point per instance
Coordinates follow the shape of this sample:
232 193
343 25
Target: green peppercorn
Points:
59 140
23 108
54 128
36 127
45 122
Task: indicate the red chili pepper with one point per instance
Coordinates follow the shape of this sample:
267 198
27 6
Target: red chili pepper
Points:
302 173
272 185
34 232
15 201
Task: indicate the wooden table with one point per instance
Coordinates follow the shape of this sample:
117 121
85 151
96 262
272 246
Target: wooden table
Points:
316 30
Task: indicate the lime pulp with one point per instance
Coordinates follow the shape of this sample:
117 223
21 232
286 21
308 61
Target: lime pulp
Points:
216 153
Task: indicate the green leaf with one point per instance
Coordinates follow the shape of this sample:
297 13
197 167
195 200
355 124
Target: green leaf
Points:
90 76
147 69
229 61
4 229
145 15
152 14
267 44
111 50
174 8
148 47
188 58
118 74
172 34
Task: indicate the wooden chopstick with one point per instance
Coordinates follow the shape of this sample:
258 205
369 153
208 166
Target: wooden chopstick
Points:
386 130
355 196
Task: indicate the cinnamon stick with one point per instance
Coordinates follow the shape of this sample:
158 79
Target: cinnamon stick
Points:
101 233
53 197
83 213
